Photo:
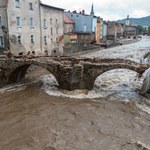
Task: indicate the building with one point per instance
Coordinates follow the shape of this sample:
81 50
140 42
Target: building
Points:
111 30
120 30
69 35
25 27
22 24
68 25
3 29
130 29
99 30
52 26
83 22
85 25
104 31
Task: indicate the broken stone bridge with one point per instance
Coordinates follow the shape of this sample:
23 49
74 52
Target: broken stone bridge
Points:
70 72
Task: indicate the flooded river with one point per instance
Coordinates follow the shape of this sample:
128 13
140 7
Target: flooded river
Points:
113 116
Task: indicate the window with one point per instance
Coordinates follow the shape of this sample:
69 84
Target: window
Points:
18 21
31 22
17 3
0 21
45 40
45 24
1 41
31 6
57 30
51 21
56 21
19 39
51 40
51 31
32 39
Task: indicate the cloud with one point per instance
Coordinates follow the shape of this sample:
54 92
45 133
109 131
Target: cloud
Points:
139 13
108 9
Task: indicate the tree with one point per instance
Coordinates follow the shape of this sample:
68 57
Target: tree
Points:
140 29
149 30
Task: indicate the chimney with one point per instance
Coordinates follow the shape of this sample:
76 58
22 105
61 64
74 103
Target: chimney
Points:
83 11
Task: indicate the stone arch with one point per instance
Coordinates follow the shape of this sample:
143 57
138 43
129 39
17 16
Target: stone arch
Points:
18 74
120 73
91 71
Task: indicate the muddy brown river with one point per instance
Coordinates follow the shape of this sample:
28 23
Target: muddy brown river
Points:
36 115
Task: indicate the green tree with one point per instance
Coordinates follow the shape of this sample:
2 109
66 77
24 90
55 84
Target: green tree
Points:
149 30
140 29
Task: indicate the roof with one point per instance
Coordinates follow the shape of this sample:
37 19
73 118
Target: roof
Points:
45 5
68 20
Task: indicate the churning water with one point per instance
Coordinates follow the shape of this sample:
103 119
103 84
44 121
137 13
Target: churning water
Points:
39 116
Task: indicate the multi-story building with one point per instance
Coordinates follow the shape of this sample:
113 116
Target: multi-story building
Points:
130 29
26 26
112 30
99 30
104 31
21 24
85 25
68 25
83 22
52 26
69 35
3 21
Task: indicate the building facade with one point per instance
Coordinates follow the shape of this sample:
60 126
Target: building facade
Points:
83 22
22 24
23 27
52 26
3 25
99 30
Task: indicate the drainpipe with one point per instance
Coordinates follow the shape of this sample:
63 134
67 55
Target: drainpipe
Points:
40 25
6 29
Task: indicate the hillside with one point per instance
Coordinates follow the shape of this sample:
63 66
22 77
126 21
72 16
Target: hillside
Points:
139 21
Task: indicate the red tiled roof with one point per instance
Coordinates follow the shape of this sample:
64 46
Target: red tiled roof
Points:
68 20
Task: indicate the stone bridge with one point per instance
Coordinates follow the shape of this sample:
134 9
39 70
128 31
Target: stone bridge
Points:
70 72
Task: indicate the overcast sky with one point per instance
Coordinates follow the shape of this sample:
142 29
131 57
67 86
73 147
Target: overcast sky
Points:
107 9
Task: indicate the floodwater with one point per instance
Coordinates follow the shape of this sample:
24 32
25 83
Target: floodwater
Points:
35 115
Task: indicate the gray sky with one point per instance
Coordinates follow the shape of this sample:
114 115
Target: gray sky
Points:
107 9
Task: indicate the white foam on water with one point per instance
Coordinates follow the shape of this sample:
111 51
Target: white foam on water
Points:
115 83
143 107
10 88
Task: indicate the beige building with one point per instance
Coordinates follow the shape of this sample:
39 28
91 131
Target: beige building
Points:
52 25
22 25
26 26
3 21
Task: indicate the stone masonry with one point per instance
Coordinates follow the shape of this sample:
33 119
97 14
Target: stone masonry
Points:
70 72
